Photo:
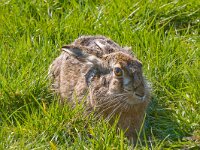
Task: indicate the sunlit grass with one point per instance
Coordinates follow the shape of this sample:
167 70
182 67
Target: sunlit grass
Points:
164 35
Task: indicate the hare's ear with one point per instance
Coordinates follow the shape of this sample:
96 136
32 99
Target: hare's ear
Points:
82 54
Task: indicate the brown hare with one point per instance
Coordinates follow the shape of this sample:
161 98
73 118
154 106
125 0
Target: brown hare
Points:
110 76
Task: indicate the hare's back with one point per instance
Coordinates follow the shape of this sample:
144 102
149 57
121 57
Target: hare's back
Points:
65 72
98 43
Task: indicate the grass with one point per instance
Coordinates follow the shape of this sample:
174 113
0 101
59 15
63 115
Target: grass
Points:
164 35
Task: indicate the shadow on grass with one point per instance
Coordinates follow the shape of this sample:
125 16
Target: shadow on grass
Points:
13 101
160 123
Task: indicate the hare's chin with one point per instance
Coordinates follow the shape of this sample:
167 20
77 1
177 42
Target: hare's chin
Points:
135 99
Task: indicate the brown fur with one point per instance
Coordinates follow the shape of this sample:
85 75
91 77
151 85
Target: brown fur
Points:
86 66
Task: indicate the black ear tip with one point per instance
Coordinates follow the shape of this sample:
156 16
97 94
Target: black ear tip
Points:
66 46
73 50
70 47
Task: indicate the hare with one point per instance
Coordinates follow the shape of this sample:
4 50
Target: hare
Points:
110 76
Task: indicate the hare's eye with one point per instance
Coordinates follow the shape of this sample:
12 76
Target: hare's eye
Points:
118 71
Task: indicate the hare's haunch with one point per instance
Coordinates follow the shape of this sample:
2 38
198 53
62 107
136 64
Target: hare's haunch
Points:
111 75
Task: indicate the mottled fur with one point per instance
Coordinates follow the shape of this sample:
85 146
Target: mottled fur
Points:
87 65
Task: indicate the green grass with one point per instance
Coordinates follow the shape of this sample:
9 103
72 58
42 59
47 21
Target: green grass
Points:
163 34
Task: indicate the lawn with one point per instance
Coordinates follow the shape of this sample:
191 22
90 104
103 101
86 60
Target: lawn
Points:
163 34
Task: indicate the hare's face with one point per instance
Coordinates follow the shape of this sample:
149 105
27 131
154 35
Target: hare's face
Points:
125 78
116 77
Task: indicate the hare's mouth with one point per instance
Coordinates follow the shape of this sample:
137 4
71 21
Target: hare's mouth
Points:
135 98
140 97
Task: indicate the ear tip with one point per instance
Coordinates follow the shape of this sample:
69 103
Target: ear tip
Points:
66 47
73 50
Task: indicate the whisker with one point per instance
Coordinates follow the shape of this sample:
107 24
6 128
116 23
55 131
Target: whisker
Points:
108 100
126 105
113 112
104 102
109 107
126 91
113 102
